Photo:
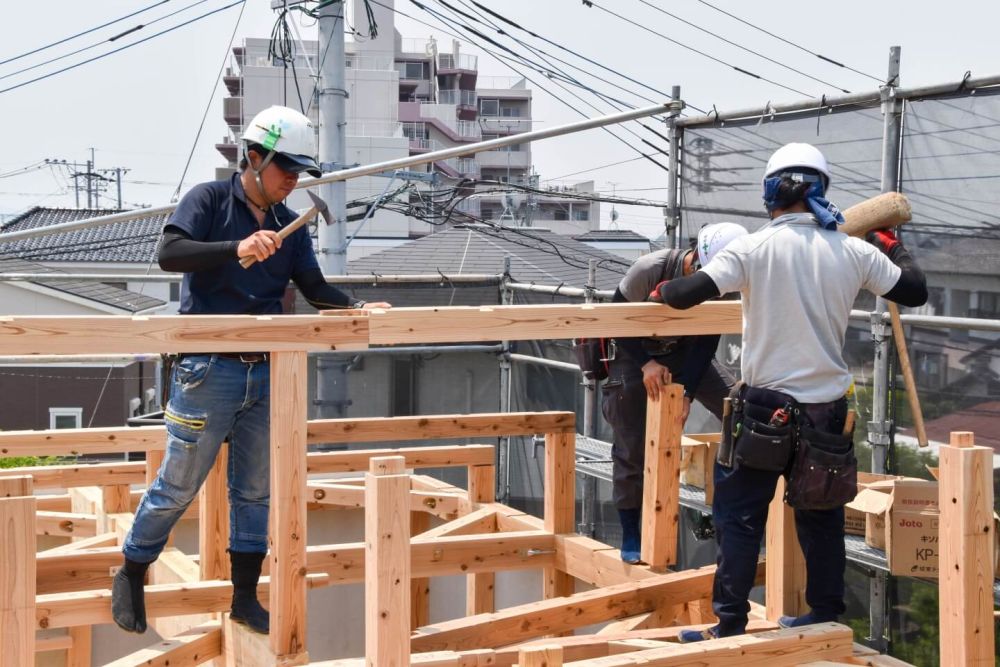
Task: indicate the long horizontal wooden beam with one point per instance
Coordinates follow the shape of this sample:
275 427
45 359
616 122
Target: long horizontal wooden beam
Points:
563 614
442 556
180 333
541 322
68 476
447 456
65 524
332 494
62 610
187 649
381 429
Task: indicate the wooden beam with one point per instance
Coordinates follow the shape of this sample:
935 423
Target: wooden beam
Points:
387 563
192 647
53 643
480 588
242 647
541 656
109 334
63 610
560 482
785 586
213 520
595 562
79 654
67 476
66 524
436 427
566 613
17 577
78 570
75 441
330 492
420 587
482 520
448 456
545 322
16 485
966 544
661 486
287 556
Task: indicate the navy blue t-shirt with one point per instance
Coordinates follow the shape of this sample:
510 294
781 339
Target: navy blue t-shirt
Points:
217 211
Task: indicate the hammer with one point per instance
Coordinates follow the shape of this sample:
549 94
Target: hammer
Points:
319 206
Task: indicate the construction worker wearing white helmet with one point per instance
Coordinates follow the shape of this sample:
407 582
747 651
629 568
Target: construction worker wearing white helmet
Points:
640 367
226 397
799 277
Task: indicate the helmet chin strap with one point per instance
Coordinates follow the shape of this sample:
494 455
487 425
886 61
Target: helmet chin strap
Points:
257 171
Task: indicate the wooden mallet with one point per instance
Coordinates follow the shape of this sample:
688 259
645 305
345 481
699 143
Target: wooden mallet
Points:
319 206
887 210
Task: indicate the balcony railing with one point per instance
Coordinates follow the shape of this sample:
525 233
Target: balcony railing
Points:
466 98
374 129
500 82
468 128
460 61
416 45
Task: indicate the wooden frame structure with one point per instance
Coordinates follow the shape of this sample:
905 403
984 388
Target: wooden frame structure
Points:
642 607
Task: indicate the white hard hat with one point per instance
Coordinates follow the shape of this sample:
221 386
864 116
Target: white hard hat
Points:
289 134
797 155
713 238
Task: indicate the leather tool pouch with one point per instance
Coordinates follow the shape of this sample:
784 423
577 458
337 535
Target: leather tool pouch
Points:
824 473
731 414
759 442
592 357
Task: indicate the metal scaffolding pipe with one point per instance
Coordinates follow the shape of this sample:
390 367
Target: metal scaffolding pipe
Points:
540 361
369 279
419 349
75 358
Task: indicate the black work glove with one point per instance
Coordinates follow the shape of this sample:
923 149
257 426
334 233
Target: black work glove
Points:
885 240
655 295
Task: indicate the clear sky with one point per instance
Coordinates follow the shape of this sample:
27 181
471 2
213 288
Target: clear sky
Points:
141 108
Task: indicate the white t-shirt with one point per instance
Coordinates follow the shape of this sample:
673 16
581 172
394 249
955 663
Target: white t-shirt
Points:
798 282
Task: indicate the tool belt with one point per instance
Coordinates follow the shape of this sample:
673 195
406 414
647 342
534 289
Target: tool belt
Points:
769 430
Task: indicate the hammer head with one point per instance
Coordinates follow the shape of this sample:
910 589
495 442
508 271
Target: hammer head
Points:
320 207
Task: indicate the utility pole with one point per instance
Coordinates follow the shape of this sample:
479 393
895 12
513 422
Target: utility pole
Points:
331 370
332 135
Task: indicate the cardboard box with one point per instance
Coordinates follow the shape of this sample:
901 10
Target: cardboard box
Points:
902 519
855 520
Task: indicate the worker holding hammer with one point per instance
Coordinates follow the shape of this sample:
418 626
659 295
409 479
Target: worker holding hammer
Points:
226 396
798 276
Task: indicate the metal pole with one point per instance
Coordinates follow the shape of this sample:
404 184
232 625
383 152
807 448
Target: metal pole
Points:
590 384
879 426
673 220
503 451
118 173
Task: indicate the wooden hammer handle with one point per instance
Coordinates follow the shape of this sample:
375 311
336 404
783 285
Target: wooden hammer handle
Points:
249 260
908 380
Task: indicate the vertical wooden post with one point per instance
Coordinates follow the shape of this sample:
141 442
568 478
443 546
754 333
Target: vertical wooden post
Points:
387 563
966 553
420 591
661 479
785 564
288 503
560 504
541 656
115 499
213 520
17 572
78 655
480 588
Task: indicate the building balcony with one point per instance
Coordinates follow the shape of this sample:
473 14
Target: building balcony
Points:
232 110
451 62
504 159
461 98
504 124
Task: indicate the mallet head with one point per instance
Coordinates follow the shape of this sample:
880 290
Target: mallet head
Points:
321 207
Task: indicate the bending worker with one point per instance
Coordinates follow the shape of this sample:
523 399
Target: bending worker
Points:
639 367
798 277
226 396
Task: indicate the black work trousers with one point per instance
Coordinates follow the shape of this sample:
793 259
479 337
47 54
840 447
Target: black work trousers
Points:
739 511
623 403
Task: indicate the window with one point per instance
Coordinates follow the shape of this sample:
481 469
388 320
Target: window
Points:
560 214
508 111
413 70
989 305
65 417
488 107
582 214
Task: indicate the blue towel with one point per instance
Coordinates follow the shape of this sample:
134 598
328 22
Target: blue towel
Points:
827 214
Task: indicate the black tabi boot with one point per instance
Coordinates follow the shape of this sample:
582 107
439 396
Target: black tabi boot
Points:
128 604
246 609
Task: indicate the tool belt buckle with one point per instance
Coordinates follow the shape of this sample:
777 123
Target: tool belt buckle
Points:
253 357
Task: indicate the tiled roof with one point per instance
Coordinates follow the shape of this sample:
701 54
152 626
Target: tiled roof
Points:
536 256
612 235
132 241
125 300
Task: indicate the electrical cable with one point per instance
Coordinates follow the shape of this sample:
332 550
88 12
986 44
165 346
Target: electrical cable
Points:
211 96
122 48
584 171
80 34
790 43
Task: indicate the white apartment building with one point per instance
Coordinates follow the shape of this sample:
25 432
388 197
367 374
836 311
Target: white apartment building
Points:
409 96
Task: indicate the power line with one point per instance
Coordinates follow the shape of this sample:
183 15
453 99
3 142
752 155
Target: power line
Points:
744 48
80 34
591 3
584 171
122 48
791 43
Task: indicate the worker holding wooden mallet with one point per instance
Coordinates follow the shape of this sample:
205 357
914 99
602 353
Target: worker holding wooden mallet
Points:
238 246
798 276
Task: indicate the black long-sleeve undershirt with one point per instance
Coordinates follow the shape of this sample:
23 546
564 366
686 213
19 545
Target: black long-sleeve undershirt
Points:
911 288
182 254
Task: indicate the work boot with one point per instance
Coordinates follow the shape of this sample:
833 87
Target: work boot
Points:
631 536
805 619
128 603
691 636
246 609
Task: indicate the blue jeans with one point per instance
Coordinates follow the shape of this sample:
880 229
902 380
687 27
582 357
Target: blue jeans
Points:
212 399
